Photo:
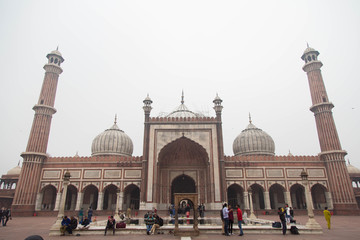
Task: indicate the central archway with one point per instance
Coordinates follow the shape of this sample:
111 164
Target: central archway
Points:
183 167
182 184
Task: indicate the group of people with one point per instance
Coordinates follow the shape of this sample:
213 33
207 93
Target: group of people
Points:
227 217
5 215
286 216
153 221
68 225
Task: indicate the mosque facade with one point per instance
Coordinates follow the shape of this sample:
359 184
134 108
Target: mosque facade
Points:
183 152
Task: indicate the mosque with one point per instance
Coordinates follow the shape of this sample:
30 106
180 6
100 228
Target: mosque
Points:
183 152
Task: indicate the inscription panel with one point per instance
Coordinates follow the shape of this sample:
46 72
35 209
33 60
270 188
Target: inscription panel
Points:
92 173
294 172
316 172
74 174
274 173
112 174
234 173
132 173
254 173
51 174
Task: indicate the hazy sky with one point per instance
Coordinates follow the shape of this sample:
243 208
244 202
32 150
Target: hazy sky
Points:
117 52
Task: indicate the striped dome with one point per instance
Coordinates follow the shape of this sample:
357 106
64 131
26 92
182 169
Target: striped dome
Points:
112 141
253 141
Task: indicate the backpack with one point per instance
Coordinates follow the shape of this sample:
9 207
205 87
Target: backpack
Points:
276 225
121 225
161 222
294 230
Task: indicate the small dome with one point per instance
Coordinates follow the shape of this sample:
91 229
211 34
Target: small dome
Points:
56 52
309 50
353 170
14 171
253 141
112 141
182 111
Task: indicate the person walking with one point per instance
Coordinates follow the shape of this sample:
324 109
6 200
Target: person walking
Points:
281 213
81 215
327 216
225 211
240 219
90 213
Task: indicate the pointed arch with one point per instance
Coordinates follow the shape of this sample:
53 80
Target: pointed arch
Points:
277 197
182 184
188 151
48 197
90 198
131 197
110 194
318 196
235 195
71 197
258 196
297 192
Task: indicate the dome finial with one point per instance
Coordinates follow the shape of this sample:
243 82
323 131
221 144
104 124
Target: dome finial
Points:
115 119
307 44
182 97
57 48
250 118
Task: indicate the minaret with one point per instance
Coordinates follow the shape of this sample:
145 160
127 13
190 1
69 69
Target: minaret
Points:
331 152
218 110
28 185
147 109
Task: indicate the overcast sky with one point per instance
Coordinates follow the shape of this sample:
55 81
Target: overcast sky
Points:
117 52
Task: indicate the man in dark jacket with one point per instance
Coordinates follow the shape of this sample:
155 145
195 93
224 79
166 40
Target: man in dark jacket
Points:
281 213
73 225
110 225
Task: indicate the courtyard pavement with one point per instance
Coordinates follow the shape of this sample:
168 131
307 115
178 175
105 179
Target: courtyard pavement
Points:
343 227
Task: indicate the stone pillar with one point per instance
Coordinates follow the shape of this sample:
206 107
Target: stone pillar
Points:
311 223
57 201
246 201
252 214
100 201
287 198
39 198
329 201
57 224
116 215
79 201
267 200
121 201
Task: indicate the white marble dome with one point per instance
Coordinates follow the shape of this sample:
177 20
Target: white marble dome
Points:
14 171
253 141
353 170
112 141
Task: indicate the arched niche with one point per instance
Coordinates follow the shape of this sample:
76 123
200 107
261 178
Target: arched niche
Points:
90 198
235 195
277 197
131 197
48 198
110 194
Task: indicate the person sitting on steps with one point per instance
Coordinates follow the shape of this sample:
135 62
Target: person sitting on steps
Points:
110 225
